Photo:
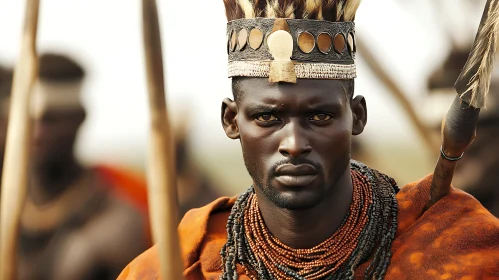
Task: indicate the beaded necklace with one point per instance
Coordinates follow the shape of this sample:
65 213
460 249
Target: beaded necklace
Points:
365 234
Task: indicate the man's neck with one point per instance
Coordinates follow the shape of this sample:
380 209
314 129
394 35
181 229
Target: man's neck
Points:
303 229
51 179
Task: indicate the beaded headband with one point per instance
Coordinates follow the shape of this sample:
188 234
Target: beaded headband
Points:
285 49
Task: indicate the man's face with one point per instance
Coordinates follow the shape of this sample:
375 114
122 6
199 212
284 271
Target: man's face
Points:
295 138
54 135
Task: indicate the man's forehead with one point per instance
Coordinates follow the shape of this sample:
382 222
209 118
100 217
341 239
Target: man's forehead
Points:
314 91
55 96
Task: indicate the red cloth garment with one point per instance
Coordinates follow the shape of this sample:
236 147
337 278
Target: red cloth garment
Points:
457 238
129 186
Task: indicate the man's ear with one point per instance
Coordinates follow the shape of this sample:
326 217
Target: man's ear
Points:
229 121
359 113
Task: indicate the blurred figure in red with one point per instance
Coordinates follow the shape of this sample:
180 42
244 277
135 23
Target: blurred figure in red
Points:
77 222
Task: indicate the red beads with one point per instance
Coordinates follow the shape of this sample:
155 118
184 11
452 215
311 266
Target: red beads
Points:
321 260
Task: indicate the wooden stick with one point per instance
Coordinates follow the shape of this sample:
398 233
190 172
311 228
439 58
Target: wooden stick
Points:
15 169
163 201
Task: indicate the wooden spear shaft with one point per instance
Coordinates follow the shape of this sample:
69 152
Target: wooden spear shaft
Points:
15 169
162 193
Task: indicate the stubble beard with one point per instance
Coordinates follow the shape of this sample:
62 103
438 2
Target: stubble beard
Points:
272 193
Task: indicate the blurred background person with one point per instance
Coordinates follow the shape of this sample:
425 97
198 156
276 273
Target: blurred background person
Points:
195 188
84 222
78 222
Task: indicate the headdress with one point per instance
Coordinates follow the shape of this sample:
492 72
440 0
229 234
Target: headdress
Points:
59 84
286 40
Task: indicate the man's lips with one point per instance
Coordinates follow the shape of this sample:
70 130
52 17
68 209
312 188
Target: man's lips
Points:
295 175
295 170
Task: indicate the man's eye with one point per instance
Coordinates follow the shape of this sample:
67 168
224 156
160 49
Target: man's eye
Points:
320 117
266 118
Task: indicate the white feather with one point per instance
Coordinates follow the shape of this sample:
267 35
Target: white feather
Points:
247 8
290 11
311 6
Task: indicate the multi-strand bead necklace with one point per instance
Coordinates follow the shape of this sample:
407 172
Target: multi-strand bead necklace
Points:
366 233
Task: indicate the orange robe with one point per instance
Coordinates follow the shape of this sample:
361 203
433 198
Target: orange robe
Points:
455 239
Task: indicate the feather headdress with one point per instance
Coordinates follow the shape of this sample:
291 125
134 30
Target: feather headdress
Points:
331 10
289 39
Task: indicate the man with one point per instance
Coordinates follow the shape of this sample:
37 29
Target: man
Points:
312 213
77 222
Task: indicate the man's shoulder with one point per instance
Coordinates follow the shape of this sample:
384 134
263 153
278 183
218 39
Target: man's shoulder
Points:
456 236
202 215
202 226
455 208
145 266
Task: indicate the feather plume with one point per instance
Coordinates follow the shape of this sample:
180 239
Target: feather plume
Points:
247 8
299 8
312 8
272 8
329 10
319 13
260 7
328 4
332 10
233 10
474 81
290 11
280 8
286 7
339 9
350 9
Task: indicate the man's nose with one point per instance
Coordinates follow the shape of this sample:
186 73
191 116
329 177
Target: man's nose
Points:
294 142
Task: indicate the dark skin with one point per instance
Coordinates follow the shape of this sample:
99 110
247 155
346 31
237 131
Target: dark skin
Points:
3 137
296 141
86 237
54 164
4 120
